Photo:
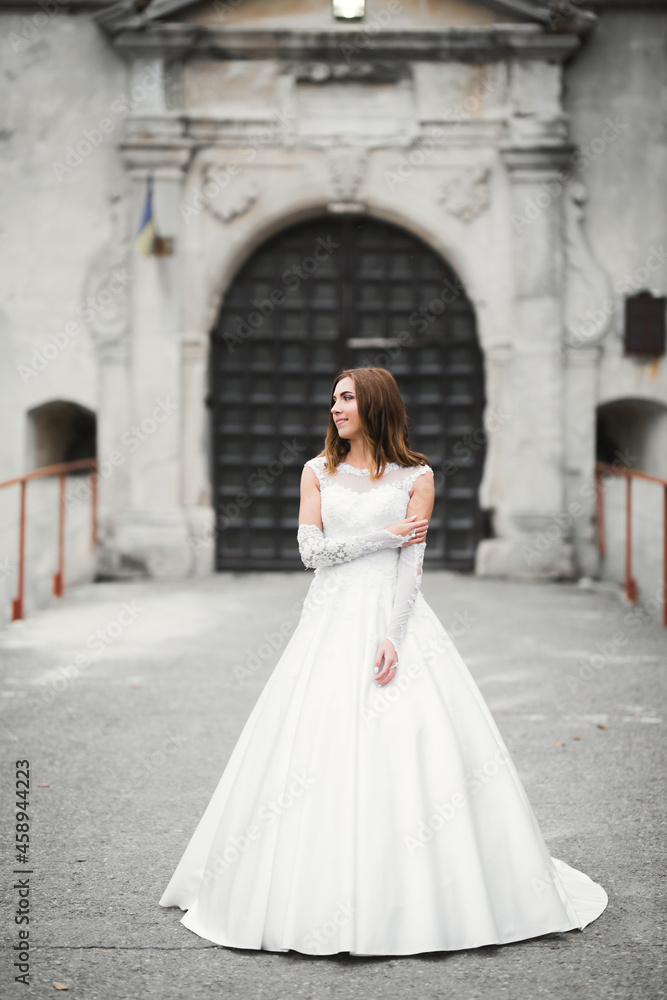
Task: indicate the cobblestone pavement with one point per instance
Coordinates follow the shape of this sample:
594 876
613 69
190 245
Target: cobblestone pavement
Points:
127 742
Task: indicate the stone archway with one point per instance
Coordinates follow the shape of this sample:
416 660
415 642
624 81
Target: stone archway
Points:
60 431
331 292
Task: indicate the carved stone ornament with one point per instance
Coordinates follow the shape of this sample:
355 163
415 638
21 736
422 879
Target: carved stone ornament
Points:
589 304
225 195
347 172
105 304
465 192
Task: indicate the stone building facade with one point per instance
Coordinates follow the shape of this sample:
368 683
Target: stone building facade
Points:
465 192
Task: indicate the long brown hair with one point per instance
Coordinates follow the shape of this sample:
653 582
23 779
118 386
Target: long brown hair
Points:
383 418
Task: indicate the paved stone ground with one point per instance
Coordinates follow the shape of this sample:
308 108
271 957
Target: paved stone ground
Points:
126 748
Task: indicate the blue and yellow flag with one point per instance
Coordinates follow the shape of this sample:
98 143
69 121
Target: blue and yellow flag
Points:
145 238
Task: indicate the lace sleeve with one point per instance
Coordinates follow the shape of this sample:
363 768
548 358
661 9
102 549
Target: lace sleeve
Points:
316 550
408 583
408 580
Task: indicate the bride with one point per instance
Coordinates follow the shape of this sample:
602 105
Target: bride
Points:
370 804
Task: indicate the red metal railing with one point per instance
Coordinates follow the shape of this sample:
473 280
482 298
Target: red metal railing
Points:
62 470
611 470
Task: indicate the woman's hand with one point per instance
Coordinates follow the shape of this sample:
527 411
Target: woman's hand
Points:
387 671
408 524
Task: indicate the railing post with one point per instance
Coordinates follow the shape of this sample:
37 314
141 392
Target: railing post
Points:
17 602
599 512
58 583
664 556
62 470
93 507
630 582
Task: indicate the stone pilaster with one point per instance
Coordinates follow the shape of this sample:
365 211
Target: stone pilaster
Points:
196 453
114 406
531 540
153 527
497 422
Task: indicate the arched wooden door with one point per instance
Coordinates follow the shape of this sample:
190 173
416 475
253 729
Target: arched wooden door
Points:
339 291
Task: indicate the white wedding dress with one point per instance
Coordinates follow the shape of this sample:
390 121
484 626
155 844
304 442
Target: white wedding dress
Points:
364 819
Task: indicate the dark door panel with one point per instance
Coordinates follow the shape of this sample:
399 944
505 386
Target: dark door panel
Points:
300 309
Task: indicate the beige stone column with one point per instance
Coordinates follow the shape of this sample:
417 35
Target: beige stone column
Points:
114 478
153 528
195 474
497 425
108 288
528 516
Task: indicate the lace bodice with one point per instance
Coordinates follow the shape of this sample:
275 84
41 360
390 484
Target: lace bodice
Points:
352 504
356 513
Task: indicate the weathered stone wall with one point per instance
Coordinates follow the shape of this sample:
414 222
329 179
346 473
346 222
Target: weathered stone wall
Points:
58 86
614 93
475 158
60 80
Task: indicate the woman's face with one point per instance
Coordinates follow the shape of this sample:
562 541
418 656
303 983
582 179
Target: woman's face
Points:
344 409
